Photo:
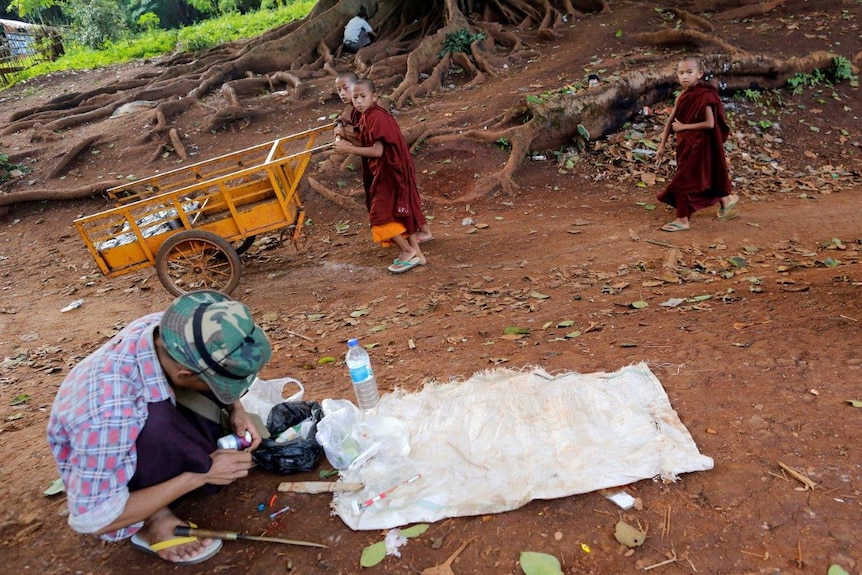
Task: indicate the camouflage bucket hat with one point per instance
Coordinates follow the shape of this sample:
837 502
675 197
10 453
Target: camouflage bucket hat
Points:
217 338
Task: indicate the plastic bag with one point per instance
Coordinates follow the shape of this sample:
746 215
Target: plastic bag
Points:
264 394
335 432
348 440
299 453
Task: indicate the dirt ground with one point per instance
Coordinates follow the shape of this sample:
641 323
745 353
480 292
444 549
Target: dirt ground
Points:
759 359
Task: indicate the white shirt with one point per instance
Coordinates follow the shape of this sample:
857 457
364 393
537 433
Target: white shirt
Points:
354 27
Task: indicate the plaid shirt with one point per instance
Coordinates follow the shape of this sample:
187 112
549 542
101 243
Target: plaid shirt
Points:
98 413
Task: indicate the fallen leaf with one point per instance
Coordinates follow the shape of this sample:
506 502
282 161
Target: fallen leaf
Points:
533 563
359 312
640 304
628 535
513 330
20 399
538 295
373 554
415 530
855 402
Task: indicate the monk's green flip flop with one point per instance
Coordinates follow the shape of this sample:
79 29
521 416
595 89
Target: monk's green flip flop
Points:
401 266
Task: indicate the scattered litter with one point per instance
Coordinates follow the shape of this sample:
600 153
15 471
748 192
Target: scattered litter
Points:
279 512
467 222
393 540
359 507
672 302
74 305
133 108
622 499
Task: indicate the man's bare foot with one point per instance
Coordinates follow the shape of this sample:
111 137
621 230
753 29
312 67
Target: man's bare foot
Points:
158 535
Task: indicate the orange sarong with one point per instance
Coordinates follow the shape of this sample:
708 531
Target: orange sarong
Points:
383 234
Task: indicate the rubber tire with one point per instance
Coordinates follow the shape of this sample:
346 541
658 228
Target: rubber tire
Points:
199 259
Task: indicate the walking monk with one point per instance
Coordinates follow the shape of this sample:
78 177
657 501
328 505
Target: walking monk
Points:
701 178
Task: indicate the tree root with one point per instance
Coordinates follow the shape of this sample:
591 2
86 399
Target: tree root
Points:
53 194
692 20
431 84
71 155
752 11
688 39
177 143
599 111
333 197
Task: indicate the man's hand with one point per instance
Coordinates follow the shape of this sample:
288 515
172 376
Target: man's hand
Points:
240 422
228 466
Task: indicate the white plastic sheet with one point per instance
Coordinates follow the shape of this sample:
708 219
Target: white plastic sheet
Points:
503 438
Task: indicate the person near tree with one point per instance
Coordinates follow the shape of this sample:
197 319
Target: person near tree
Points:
358 33
126 443
701 178
388 176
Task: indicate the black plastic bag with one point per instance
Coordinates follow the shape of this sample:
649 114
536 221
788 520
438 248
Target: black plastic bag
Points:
296 455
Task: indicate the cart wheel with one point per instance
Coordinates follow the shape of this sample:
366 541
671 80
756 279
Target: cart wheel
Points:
192 260
242 247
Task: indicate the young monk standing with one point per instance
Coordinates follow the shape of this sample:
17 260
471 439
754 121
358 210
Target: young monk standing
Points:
701 178
388 175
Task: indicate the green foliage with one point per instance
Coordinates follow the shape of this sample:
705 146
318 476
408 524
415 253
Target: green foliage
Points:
205 6
459 41
148 45
148 21
6 167
26 8
752 95
842 69
235 26
504 143
95 22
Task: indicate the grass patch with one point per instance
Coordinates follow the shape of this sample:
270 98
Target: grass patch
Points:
207 34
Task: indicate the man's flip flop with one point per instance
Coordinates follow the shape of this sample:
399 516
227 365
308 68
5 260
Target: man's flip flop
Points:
208 552
401 266
673 227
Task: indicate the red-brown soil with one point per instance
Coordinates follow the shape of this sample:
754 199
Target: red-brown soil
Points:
759 371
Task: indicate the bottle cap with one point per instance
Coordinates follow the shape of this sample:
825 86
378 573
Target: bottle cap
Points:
352 342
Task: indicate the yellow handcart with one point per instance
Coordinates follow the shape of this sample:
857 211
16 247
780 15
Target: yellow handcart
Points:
192 223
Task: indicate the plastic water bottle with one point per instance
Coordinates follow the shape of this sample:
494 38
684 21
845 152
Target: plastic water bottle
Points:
362 376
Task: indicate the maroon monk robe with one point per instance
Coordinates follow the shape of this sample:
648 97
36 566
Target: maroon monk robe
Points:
701 169
391 194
